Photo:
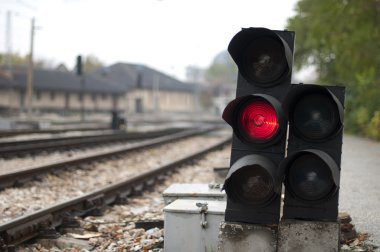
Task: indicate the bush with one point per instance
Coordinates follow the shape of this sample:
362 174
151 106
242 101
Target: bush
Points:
373 130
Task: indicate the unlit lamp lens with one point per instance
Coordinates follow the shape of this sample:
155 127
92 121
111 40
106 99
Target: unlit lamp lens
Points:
316 116
251 185
264 61
309 178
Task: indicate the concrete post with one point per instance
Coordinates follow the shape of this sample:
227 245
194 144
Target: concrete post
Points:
247 237
308 236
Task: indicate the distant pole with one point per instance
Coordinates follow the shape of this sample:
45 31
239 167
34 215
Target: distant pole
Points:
8 41
79 68
29 89
82 82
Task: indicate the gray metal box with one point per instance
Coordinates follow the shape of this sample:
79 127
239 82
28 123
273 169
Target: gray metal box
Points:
193 191
189 226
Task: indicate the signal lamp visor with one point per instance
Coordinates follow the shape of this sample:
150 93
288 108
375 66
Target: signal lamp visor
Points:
310 178
314 113
258 121
250 185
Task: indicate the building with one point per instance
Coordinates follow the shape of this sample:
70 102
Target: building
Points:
150 91
127 88
62 92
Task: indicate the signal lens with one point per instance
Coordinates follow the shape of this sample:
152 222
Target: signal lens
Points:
310 178
316 116
251 185
259 121
264 60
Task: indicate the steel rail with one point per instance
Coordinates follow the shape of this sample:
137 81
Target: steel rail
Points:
23 175
16 132
28 226
27 146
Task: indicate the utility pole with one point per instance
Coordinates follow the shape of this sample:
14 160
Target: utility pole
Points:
82 85
29 88
8 41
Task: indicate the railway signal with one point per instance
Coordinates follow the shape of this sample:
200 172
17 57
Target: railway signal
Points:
79 65
312 168
264 58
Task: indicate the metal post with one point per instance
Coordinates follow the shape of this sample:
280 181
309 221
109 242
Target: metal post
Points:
82 91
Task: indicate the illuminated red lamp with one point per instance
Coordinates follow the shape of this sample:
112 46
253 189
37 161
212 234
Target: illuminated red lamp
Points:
258 119
255 118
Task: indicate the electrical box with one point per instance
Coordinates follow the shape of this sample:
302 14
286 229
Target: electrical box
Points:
193 225
193 191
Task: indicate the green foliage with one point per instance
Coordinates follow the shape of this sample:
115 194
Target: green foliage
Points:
17 60
341 38
374 126
91 63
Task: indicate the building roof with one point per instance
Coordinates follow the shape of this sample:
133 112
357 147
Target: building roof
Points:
53 80
116 79
140 76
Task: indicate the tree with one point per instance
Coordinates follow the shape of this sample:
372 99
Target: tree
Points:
222 70
14 59
341 38
18 60
92 63
195 74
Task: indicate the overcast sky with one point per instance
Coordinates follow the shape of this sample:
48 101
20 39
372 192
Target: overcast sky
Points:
167 35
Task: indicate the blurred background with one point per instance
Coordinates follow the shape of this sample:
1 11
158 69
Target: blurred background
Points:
167 59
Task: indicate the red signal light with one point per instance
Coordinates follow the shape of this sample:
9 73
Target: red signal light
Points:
259 121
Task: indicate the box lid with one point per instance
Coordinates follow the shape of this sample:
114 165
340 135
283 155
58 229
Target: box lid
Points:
193 190
190 206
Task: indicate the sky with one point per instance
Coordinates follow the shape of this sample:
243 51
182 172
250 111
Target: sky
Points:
167 35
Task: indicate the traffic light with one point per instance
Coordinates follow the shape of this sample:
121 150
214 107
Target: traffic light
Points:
311 171
253 186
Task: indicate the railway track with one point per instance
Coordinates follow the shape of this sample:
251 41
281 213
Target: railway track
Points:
23 175
19 147
17 132
29 226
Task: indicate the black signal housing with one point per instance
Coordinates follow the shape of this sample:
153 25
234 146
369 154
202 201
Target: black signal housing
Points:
311 171
264 58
